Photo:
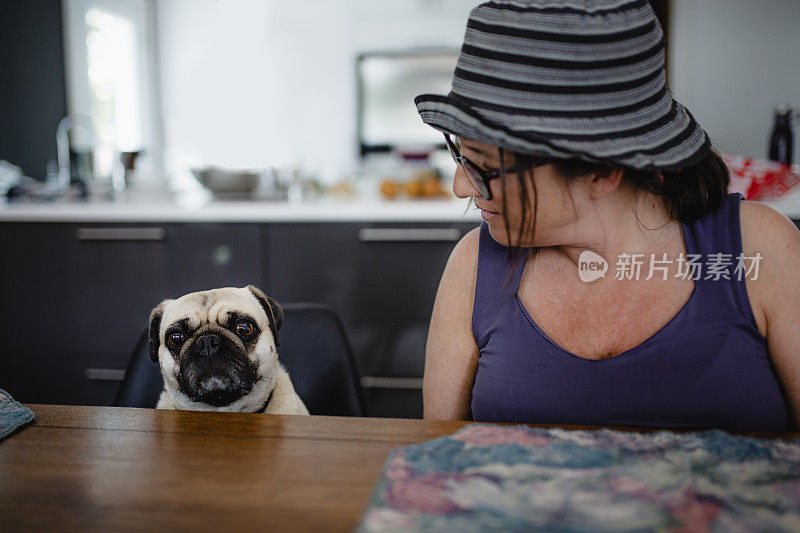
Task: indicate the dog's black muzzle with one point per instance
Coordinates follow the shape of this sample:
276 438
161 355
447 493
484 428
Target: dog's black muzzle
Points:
215 371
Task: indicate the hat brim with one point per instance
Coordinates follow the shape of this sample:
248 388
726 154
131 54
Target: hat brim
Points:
680 141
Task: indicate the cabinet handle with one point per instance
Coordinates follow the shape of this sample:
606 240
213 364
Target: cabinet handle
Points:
409 234
373 382
121 234
104 374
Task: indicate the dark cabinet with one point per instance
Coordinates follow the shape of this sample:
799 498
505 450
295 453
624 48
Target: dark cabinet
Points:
76 297
206 256
382 280
79 287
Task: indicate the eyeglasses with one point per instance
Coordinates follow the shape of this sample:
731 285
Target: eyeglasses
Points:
479 177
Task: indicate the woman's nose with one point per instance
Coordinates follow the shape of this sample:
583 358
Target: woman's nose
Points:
462 185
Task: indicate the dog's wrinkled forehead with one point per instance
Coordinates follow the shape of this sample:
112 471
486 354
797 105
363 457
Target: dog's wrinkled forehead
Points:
213 307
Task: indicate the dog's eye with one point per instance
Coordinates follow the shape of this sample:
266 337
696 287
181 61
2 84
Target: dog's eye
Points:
244 329
175 339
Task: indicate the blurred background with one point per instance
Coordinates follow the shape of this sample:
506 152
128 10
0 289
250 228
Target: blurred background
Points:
150 148
320 85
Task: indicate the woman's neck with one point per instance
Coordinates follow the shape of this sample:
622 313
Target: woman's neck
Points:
622 223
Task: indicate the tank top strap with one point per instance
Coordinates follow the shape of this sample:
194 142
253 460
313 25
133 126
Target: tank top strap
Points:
716 238
497 282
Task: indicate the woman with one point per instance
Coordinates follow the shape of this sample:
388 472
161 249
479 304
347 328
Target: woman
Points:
571 145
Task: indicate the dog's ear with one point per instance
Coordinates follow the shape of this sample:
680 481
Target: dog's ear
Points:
272 309
155 326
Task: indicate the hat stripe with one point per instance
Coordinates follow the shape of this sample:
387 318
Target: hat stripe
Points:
611 131
620 147
453 120
571 23
609 112
629 133
520 72
558 89
582 52
686 134
559 62
565 7
552 101
476 23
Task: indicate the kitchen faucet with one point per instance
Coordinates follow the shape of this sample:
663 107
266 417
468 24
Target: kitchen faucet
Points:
63 146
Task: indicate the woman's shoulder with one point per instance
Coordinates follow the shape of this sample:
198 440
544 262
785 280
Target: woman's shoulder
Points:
775 237
765 229
457 286
463 262
773 240
468 244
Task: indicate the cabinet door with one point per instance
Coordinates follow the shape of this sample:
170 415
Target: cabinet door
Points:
76 299
33 376
89 288
208 256
382 280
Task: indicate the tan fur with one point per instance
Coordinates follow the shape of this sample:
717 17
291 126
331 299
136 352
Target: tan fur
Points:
207 310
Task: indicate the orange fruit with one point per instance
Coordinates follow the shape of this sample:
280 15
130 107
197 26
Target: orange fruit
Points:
389 189
415 189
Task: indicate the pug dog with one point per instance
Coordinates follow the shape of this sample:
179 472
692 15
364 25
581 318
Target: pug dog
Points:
217 350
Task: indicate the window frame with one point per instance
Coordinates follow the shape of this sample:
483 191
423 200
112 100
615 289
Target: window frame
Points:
142 14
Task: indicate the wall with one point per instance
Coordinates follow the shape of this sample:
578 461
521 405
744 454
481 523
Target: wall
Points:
268 82
732 62
252 83
32 97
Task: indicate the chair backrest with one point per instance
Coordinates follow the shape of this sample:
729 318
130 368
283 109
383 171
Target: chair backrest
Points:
142 383
314 349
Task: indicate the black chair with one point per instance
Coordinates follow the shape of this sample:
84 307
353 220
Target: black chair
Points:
314 349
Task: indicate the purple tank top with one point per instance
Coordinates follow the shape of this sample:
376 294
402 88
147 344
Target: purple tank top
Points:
707 367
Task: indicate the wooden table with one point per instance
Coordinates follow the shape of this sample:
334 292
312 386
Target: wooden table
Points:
115 468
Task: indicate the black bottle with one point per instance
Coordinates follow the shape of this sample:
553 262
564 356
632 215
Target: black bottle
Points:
781 141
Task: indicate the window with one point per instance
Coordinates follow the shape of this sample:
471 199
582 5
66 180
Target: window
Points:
110 89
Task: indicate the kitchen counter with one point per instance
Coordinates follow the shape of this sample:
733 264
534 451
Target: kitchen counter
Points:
187 210
241 211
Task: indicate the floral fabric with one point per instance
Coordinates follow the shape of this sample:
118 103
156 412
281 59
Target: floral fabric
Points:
13 415
487 477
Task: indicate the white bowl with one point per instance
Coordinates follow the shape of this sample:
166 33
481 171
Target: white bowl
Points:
227 181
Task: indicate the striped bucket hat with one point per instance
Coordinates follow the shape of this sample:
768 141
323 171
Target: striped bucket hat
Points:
571 79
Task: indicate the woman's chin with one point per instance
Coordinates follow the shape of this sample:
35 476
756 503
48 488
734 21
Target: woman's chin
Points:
490 216
498 233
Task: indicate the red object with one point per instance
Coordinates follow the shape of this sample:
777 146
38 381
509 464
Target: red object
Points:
760 179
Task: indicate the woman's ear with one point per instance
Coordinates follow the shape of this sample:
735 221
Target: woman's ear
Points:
603 183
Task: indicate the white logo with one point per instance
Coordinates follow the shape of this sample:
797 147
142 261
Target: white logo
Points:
591 266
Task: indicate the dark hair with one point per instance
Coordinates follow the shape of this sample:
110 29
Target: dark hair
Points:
688 193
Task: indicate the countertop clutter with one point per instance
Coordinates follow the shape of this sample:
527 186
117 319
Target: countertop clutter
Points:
198 210
206 208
